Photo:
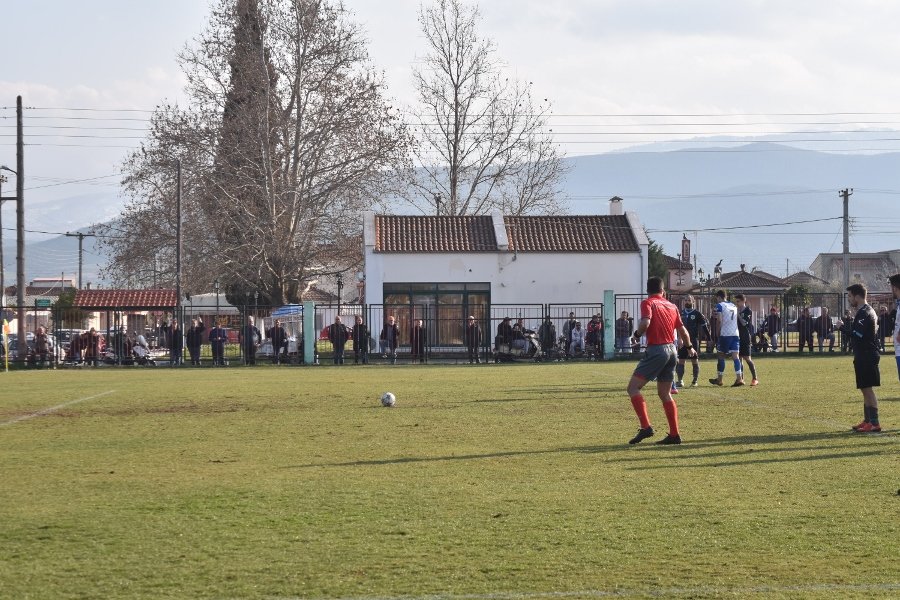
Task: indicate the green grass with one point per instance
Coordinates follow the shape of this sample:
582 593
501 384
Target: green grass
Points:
509 481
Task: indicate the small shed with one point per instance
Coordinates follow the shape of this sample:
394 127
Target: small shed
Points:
119 305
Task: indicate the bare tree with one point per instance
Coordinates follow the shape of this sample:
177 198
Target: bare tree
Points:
481 143
287 137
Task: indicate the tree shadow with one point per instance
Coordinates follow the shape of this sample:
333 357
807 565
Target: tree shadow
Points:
455 457
763 461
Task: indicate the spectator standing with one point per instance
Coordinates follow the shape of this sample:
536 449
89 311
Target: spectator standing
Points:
338 336
76 346
846 328
41 346
595 335
417 341
547 335
360 342
250 339
624 330
279 339
176 344
772 327
217 338
885 327
390 338
568 326
805 327
825 330
195 339
91 345
472 337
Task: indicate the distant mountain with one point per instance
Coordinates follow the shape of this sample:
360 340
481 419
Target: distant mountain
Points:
674 192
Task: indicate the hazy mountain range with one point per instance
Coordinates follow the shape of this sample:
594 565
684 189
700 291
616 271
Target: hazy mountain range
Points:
673 192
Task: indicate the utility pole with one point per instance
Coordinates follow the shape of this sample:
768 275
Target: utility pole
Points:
178 243
80 237
3 180
845 194
20 230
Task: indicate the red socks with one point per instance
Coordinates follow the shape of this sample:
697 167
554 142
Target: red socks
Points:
671 416
640 408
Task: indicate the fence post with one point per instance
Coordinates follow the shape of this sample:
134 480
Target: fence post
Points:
309 333
609 323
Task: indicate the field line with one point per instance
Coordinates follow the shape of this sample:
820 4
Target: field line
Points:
623 593
47 411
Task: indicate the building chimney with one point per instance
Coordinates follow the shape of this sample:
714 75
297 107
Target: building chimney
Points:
615 206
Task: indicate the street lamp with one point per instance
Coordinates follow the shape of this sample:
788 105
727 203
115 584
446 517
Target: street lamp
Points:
340 287
216 324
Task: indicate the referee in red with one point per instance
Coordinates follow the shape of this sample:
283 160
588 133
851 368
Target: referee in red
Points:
659 320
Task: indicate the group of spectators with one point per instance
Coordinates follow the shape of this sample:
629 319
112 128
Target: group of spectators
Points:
362 342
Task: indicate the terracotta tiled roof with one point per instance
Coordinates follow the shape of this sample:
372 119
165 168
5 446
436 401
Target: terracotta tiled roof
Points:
125 299
411 234
314 294
591 233
674 263
804 278
745 280
38 291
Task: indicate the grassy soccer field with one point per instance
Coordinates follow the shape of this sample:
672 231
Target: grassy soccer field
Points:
503 482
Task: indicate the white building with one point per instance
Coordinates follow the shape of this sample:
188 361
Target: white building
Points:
459 263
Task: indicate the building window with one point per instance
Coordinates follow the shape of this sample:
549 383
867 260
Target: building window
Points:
444 307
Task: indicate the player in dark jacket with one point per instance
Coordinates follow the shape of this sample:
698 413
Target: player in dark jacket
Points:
695 323
745 335
866 356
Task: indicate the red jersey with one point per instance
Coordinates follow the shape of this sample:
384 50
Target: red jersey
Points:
664 319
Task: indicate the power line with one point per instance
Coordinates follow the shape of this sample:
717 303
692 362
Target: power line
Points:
711 229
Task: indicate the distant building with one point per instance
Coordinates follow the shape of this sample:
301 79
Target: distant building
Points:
807 279
869 268
460 265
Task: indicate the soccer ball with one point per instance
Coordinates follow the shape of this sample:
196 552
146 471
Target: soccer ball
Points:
388 399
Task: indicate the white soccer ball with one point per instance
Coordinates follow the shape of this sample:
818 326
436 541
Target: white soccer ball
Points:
388 399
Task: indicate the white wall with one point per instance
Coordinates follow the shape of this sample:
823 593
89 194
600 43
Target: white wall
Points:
524 278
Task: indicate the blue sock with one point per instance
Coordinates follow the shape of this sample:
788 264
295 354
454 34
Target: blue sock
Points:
737 366
720 366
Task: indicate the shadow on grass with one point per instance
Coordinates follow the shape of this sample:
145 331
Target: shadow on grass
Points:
676 454
747 446
763 461
486 455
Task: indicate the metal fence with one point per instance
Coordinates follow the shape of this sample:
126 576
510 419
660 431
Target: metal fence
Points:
813 322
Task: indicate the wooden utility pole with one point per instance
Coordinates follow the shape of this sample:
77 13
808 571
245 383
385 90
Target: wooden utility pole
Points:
80 237
20 230
845 194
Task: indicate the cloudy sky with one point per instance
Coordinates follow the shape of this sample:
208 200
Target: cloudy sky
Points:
609 67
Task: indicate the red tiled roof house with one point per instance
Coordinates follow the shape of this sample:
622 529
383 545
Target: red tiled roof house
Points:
466 260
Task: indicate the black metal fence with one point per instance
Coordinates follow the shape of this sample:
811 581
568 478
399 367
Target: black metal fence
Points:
813 322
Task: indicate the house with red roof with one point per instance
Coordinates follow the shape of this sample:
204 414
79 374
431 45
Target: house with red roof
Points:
460 263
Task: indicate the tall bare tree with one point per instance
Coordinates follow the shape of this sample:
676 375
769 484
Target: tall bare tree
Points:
481 142
286 138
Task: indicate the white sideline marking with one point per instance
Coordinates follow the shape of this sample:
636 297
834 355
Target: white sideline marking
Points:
47 411
619 593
